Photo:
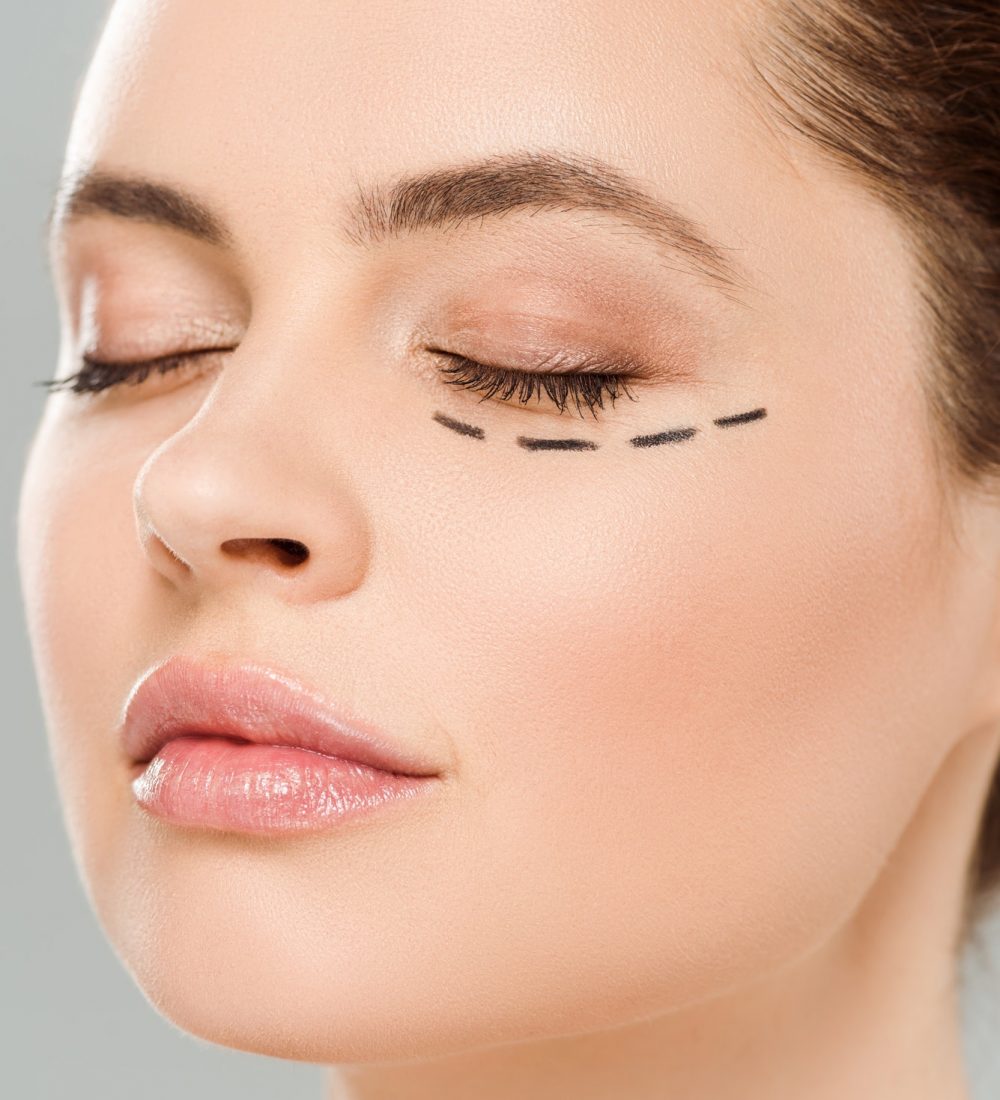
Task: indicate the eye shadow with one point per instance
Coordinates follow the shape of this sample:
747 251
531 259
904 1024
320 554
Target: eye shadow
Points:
674 435
740 418
458 426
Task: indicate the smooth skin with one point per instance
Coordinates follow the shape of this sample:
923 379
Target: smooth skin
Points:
715 719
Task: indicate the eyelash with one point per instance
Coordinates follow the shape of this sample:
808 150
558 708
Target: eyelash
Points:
588 385
96 375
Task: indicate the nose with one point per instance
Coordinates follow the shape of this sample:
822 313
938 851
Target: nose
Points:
238 497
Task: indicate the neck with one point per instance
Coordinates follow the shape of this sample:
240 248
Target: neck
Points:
873 1011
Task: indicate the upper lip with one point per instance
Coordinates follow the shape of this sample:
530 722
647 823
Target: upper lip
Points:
185 696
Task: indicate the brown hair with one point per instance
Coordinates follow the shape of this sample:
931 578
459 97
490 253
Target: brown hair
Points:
905 95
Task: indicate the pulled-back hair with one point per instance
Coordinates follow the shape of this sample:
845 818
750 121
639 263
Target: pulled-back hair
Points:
905 96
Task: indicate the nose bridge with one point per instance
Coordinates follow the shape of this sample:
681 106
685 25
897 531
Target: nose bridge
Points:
246 491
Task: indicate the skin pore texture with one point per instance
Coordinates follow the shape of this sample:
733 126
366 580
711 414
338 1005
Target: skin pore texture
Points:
714 719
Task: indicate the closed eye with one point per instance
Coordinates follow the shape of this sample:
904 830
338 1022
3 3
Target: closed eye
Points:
95 375
587 382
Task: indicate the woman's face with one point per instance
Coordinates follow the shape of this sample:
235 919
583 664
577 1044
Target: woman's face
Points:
684 696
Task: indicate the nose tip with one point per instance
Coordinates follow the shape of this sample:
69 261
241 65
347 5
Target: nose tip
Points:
286 552
216 511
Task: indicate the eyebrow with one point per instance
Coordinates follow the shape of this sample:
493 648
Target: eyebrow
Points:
438 199
97 191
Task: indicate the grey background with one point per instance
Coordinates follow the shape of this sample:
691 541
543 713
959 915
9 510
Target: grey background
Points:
74 1023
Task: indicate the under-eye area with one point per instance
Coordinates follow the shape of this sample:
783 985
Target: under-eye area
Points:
671 435
674 435
531 444
458 426
740 418
678 435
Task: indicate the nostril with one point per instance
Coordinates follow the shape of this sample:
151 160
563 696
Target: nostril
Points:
290 551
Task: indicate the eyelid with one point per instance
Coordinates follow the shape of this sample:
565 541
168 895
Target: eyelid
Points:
92 359
558 362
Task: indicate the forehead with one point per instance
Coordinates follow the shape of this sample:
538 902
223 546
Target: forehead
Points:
241 97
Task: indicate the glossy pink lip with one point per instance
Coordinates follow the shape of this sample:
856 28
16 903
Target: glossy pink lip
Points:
243 748
184 697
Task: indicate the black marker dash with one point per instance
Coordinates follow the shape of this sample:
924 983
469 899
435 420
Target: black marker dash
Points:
674 435
556 444
458 426
740 418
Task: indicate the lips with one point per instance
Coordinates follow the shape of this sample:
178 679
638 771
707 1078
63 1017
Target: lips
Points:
183 697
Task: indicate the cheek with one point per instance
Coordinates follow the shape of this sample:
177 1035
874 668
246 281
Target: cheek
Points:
90 616
694 708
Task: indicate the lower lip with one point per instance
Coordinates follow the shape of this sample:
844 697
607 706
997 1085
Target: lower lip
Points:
215 783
